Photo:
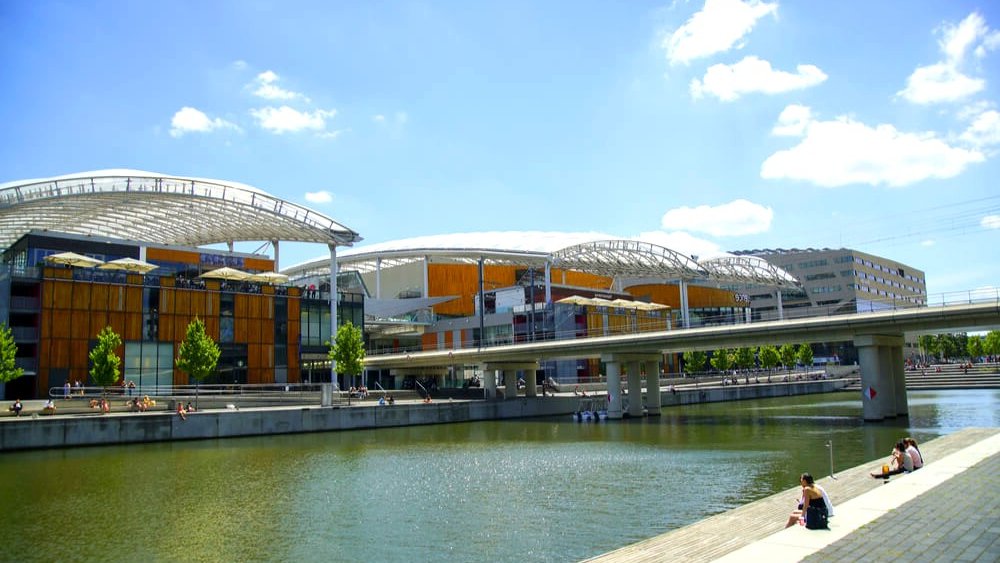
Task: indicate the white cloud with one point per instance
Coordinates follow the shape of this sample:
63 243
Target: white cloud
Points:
991 222
956 40
842 151
191 120
984 131
319 197
793 121
267 88
927 242
379 118
332 134
944 81
718 27
738 217
285 119
240 64
729 82
940 82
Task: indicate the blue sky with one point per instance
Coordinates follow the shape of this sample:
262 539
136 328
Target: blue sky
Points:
703 126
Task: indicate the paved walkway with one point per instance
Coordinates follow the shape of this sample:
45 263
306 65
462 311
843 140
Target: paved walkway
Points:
947 511
951 522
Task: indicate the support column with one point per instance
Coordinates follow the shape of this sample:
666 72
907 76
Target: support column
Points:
685 313
378 277
333 309
509 371
490 382
614 387
427 290
510 383
781 312
274 244
878 385
634 379
653 403
548 282
530 383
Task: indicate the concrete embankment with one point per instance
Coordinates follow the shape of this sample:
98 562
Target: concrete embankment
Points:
34 432
756 531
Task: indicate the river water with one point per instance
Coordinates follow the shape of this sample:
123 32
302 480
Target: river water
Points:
526 490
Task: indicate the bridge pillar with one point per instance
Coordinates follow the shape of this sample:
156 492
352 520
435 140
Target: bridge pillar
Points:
530 383
614 388
653 403
509 383
489 382
876 356
634 379
509 371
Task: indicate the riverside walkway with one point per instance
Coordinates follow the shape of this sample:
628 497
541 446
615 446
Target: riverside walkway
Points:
947 511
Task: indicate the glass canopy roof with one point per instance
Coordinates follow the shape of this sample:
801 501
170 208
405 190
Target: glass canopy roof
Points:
612 258
151 207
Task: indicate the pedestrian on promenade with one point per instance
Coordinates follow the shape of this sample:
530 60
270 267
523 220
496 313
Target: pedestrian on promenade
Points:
16 407
900 462
914 451
812 495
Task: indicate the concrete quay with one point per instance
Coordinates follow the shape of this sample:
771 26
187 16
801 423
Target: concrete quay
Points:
34 431
947 511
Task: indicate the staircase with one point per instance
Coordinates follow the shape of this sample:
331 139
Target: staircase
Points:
949 376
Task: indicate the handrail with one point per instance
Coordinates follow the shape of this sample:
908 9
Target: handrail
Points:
965 297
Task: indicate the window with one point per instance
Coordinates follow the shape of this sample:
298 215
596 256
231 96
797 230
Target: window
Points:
149 365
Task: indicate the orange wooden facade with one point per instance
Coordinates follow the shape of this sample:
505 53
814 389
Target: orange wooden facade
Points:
463 280
74 312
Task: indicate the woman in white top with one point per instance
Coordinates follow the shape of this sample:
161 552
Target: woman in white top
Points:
911 448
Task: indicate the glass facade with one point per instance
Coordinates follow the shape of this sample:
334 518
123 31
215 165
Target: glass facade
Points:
149 364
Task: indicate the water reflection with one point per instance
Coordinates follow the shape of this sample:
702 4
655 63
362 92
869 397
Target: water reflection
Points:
536 490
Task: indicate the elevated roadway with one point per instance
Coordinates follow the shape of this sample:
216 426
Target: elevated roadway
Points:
973 316
878 337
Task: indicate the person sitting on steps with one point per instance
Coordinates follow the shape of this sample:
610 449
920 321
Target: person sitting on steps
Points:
901 462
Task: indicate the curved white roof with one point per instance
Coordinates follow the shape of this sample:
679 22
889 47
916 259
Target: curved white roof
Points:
159 208
591 252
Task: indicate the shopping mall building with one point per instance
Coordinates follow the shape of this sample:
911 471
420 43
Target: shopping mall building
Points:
155 263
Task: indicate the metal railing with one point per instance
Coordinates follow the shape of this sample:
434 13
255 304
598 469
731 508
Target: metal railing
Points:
965 297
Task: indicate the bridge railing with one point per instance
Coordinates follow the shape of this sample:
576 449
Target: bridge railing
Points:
637 325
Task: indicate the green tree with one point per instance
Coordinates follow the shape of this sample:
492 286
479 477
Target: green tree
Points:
744 359
722 360
950 345
8 351
348 350
769 358
104 362
788 354
694 361
991 344
928 344
974 346
198 355
805 355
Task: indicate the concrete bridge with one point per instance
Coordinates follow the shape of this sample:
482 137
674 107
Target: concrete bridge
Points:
877 335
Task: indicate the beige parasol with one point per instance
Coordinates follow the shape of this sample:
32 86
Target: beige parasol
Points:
73 259
128 265
226 273
269 277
